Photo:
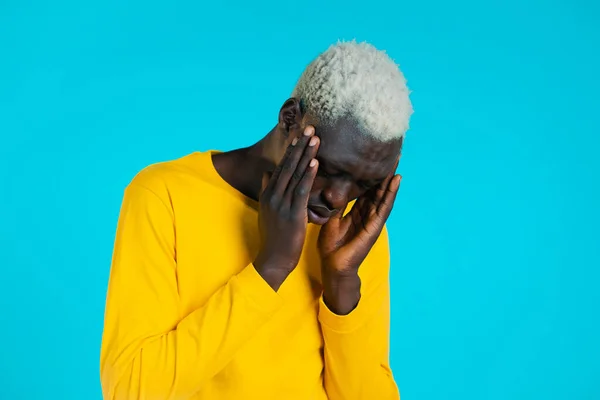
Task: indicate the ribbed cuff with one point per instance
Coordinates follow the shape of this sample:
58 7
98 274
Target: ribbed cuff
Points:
257 290
364 311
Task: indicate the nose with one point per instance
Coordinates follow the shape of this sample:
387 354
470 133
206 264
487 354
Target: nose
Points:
336 194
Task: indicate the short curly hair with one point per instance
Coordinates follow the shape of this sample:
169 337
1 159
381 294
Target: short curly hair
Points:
356 80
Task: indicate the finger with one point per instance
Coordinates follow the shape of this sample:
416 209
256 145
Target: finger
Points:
381 189
342 212
291 147
289 165
371 219
358 204
266 178
356 214
302 190
366 210
310 152
279 167
385 206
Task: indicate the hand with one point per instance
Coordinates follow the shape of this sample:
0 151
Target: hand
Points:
283 209
345 241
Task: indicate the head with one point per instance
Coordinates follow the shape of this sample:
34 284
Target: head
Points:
356 98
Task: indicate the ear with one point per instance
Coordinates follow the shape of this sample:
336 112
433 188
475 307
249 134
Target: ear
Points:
290 115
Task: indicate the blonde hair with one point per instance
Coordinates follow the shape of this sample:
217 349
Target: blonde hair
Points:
356 80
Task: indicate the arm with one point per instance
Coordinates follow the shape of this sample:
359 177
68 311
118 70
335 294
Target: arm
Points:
149 350
354 310
357 342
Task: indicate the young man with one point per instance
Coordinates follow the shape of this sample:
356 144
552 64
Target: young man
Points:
221 289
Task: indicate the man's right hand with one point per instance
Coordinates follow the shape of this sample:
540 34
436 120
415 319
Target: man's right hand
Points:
283 209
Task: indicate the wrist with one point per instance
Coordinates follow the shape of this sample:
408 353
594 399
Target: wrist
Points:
267 261
272 271
341 292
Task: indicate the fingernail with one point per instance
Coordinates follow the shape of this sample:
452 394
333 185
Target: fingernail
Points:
313 141
294 141
309 131
313 162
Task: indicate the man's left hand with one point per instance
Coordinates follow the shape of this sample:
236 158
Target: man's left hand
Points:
345 241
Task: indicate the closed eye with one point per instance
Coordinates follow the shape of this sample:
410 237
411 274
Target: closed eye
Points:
324 174
366 185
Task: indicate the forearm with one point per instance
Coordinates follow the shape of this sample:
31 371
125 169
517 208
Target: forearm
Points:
138 359
341 291
356 345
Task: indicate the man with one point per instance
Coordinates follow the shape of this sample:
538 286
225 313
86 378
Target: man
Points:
221 289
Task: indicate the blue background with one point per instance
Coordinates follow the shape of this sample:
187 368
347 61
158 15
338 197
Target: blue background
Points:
496 249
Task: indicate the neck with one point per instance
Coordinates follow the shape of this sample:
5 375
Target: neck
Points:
243 168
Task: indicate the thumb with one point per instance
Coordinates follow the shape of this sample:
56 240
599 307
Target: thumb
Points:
340 214
266 177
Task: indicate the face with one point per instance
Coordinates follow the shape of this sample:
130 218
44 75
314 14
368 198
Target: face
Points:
350 164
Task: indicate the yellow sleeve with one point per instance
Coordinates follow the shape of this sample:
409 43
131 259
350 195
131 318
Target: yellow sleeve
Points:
149 350
357 345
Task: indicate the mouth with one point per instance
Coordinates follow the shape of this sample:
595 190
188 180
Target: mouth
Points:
316 216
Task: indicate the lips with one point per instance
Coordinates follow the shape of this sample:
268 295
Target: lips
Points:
318 215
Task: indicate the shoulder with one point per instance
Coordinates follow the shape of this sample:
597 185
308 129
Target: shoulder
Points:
159 176
174 177
160 183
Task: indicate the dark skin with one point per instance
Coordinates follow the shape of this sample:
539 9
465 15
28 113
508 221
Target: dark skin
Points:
304 172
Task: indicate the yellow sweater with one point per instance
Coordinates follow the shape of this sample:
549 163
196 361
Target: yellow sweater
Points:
188 317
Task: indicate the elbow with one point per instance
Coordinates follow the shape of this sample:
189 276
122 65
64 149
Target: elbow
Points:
119 379
109 380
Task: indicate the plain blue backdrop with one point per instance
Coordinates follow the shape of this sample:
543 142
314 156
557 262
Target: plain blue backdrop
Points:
495 233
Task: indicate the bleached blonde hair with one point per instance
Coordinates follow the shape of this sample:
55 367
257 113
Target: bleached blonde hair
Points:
357 80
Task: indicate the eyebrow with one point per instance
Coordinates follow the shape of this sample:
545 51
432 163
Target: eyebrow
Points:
339 171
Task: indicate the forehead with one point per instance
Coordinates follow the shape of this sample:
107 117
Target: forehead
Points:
345 148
